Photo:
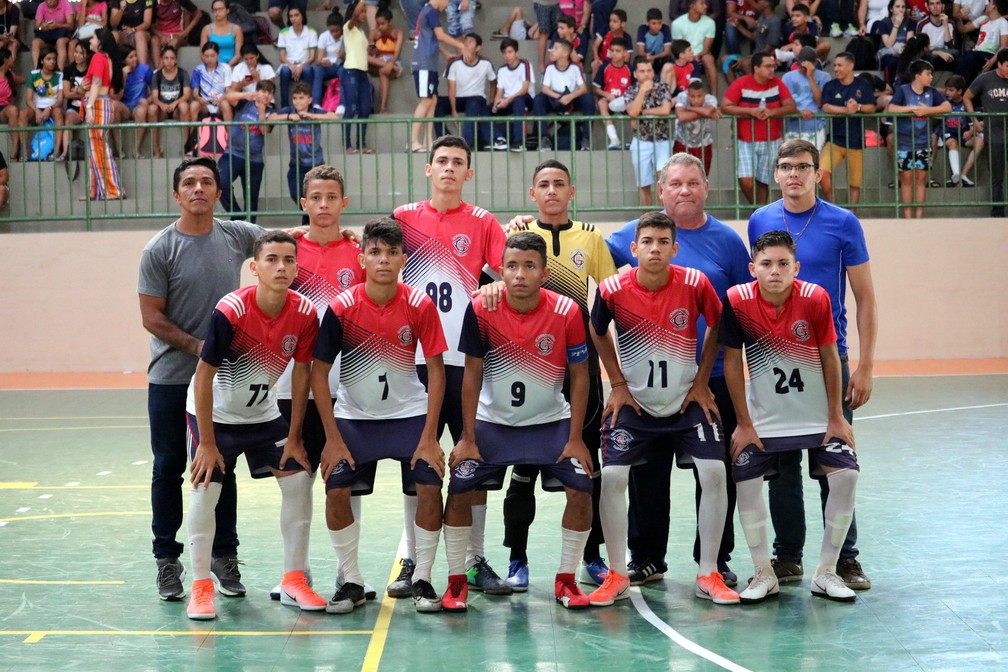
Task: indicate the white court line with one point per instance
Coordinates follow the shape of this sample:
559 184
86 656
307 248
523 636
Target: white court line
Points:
644 610
932 410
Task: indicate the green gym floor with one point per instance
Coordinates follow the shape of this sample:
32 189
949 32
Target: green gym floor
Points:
77 578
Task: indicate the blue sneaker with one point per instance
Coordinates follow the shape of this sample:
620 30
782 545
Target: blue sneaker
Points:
593 573
518 576
730 578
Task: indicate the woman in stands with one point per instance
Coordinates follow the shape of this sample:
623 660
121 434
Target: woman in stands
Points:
44 98
226 35
104 74
74 91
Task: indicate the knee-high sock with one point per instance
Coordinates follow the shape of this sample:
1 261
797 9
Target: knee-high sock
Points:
571 549
426 551
295 519
613 512
346 543
355 509
455 539
953 157
477 535
711 514
837 516
202 525
409 520
752 512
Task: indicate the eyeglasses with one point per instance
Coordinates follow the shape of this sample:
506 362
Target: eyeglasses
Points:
794 167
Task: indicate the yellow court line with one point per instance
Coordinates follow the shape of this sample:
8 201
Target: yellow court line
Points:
76 417
17 485
67 429
35 636
377 644
90 514
36 486
63 583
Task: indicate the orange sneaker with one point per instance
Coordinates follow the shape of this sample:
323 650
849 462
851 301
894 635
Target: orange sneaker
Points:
295 592
615 587
568 594
201 601
456 594
712 587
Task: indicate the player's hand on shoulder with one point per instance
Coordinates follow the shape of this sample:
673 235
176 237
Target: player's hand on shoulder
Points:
351 235
519 223
702 395
295 450
333 453
742 438
619 397
464 450
429 450
490 294
577 450
201 470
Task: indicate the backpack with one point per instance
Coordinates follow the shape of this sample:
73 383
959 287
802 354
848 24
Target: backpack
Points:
44 141
331 98
241 17
209 139
864 51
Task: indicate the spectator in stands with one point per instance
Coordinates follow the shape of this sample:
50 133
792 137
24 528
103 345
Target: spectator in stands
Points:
696 111
169 98
252 69
54 26
461 15
871 11
74 91
654 40
563 91
305 138
610 87
296 45
468 79
649 102
740 24
547 14
965 13
385 64
893 31
955 132
44 98
800 32
228 36
765 98
990 92
137 78
355 87
993 36
330 56
603 42
913 141
684 67
581 12
838 17
132 20
278 7
805 84
10 26
845 97
105 72
209 84
515 82
430 35
698 29
941 35
516 27
567 30
8 109
246 147
91 15
174 21
4 180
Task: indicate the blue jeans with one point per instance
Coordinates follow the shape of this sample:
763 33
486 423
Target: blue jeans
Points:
460 23
166 410
232 167
307 75
476 134
323 74
518 108
734 39
543 105
787 503
357 96
411 8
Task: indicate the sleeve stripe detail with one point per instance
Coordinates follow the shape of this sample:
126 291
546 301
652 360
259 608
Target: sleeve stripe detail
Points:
306 307
346 298
692 277
745 291
234 303
416 298
479 212
563 305
807 289
612 284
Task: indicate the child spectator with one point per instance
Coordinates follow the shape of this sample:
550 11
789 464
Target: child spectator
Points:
169 97
135 93
699 30
44 99
355 87
388 42
330 55
799 32
566 30
516 27
617 29
54 21
649 102
677 76
305 137
610 87
430 35
296 45
515 82
468 77
174 21
654 40
696 111
252 69
563 91
209 83
245 150
957 131
993 35
805 84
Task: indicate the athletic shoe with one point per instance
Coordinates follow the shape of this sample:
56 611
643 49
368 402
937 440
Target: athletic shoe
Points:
170 574
952 182
615 145
518 147
763 586
641 573
546 145
425 598
730 578
403 585
712 587
500 144
832 587
593 573
585 146
568 594
787 571
852 31
518 576
834 30
849 569
224 572
615 587
275 592
369 592
349 595
498 35
483 578
295 592
455 596
967 182
201 601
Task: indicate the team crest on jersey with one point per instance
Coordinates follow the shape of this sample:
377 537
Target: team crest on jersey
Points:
405 335
578 258
341 467
289 345
620 440
460 244
800 330
465 469
679 318
544 344
742 460
345 278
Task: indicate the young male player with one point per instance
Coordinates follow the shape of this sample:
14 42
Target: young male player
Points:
231 409
660 399
514 411
795 402
381 408
449 243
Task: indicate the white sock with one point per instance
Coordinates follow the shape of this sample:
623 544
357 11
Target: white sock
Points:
610 130
752 513
572 549
455 539
712 511
477 535
202 525
837 516
346 542
426 551
295 519
409 520
355 509
613 515
953 156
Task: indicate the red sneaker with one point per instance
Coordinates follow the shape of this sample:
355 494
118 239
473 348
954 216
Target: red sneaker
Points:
568 594
712 587
295 592
615 587
201 601
455 596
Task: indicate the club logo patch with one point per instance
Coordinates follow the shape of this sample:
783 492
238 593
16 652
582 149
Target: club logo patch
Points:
460 244
620 440
405 335
800 330
679 318
341 467
466 469
289 345
578 258
544 344
742 460
345 278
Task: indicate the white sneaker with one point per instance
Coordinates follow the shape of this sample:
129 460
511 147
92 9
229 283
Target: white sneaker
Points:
834 30
852 31
829 585
762 586
500 144
614 144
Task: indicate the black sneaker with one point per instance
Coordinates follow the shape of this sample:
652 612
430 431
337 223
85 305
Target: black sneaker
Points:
425 598
850 572
482 577
349 595
170 576
403 585
644 572
227 577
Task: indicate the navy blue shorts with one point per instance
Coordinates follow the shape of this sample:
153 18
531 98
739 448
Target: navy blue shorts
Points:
262 443
312 431
373 440
634 437
501 446
451 407
753 463
425 82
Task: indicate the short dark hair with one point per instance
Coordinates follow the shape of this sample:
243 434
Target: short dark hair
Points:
301 87
620 14
1002 55
324 172
169 47
641 59
846 55
919 66
476 38
566 44
210 45
655 220
272 236
774 239
508 42
798 146
451 141
757 58
527 241
652 14
696 85
568 21
679 48
266 85
958 82
547 164
200 161
620 42
387 230
802 9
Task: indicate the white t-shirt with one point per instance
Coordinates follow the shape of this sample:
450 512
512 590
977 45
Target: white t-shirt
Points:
331 47
471 80
694 33
877 10
974 8
563 81
297 47
511 81
991 33
241 71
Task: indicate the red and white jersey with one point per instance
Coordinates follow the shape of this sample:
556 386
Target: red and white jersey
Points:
787 392
323 272
524 358
447 252
656 333
378 346
251 350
